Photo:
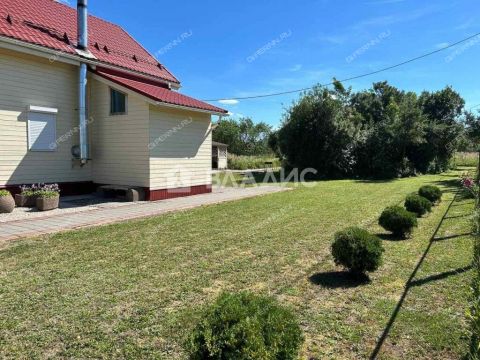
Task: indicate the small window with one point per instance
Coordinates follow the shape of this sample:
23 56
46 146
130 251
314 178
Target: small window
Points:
118 103
42 129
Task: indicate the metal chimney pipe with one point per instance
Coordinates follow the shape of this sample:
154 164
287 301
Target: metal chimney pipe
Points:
82 24
82 36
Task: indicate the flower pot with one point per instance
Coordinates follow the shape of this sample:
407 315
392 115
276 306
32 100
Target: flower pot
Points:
46 204
7 204
25 201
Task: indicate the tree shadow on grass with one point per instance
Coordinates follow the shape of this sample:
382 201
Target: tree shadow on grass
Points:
339 280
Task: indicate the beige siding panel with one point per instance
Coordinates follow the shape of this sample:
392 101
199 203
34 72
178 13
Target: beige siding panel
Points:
180 148
119 143
28 80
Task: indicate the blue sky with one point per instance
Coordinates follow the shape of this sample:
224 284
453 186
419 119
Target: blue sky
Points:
218 52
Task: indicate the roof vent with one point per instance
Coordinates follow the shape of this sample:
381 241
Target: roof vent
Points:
66 39
9 19
97 46
135 58
160 66
106 49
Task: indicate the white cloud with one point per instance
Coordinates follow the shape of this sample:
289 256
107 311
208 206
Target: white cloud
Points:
296 67
235 115
442 45
228 102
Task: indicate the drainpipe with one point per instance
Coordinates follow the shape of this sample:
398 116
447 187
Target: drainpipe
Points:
82 44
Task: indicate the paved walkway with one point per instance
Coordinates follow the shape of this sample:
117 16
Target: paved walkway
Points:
56 223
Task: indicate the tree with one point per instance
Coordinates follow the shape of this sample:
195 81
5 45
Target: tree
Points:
392 123
443 110
381 132
317 132
244 137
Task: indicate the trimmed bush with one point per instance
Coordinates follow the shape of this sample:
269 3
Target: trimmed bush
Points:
418 204
357 250
245 326
430 192
398 221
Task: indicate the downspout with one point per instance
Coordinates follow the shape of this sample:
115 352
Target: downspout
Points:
82 44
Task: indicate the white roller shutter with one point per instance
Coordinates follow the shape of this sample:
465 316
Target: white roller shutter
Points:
42 129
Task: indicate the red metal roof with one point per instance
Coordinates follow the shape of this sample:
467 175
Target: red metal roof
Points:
157 92
54 25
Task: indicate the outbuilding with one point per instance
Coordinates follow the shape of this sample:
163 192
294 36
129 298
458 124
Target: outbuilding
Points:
219 156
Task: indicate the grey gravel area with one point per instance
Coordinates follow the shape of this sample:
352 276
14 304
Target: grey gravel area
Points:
68 204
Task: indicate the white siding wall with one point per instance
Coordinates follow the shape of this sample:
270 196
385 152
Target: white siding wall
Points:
26 80
119 143
180 148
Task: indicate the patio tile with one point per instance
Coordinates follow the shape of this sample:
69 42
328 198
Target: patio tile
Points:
101 215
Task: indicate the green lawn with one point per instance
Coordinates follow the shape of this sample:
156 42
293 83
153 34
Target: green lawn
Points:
134 290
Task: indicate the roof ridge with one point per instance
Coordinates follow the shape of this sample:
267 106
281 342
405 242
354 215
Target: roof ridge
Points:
149 53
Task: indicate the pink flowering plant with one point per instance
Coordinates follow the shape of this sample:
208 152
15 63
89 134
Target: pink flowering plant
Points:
31 190
40 190
48 191
471 186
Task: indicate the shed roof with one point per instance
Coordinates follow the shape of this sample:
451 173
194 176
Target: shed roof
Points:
215 143
157 92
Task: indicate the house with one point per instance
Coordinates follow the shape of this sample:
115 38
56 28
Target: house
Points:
83 104
219 156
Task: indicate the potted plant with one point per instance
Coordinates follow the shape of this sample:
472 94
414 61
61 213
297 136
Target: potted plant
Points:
7 204
48 197
28 195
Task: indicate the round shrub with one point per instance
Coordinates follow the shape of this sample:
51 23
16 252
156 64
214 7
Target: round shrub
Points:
357 250
430 192
418 204
398 221
245 326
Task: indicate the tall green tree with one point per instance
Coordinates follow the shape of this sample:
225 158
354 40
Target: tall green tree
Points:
443 110
317 133
381 132
243 136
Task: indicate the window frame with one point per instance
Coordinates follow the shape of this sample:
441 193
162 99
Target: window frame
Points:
111 102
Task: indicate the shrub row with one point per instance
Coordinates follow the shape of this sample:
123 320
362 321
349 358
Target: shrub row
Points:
401 221
246 326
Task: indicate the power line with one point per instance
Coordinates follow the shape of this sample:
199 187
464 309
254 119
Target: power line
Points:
351 78
474 107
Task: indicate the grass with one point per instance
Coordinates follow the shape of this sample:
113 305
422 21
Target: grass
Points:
466 159
136 289
236 162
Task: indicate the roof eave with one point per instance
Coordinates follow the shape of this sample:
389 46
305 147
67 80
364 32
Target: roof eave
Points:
151 100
